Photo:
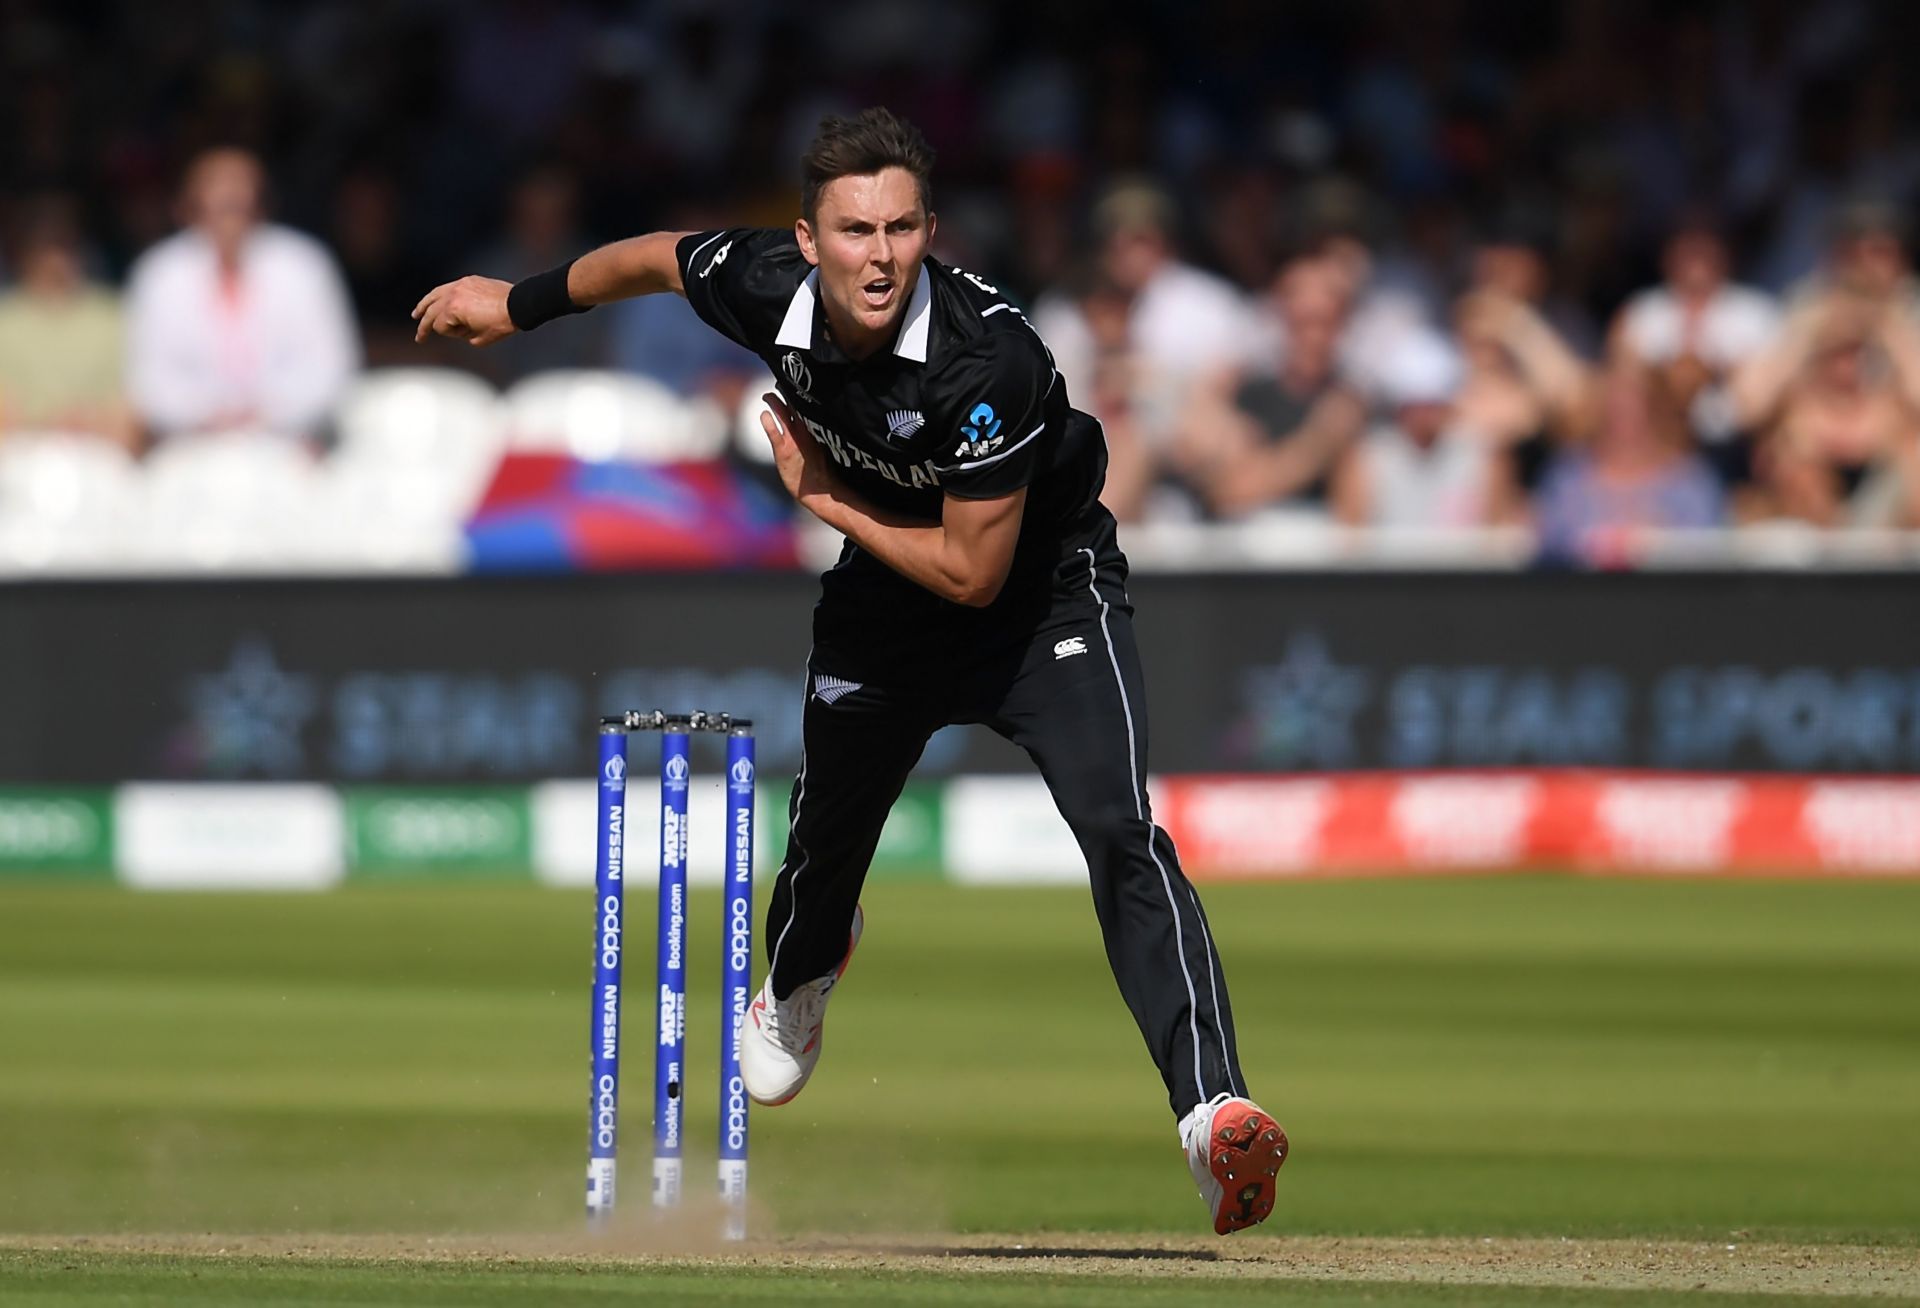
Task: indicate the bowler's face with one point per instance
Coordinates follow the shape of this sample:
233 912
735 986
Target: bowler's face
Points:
868 236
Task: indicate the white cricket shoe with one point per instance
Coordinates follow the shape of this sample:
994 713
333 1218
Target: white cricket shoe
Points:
781 1040
1234 1151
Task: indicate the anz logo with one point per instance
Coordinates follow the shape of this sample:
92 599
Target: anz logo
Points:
981 424
982 433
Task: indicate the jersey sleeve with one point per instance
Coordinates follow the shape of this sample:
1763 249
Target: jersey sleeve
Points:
740 280
996 439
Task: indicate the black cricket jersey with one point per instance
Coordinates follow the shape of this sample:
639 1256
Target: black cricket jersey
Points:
967 402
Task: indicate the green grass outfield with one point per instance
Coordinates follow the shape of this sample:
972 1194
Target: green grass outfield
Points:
1537 1056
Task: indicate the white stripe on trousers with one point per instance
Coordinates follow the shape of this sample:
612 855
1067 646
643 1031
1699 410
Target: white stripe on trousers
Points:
1213 985
1140 812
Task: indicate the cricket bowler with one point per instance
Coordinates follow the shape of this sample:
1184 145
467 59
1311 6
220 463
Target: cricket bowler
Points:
918 414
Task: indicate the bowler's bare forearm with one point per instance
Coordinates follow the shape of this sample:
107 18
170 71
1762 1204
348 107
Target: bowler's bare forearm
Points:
964 559
639 265
479 310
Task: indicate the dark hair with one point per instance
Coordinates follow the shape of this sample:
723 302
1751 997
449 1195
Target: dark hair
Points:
866 143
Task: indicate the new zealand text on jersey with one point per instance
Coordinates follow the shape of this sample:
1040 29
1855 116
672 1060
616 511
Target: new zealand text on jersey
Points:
848 455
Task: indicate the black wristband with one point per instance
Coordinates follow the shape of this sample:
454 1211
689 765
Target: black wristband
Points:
542 298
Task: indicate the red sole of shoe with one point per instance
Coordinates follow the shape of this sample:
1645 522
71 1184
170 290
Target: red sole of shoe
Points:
1245 1156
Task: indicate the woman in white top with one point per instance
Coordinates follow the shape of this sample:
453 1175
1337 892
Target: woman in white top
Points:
236 323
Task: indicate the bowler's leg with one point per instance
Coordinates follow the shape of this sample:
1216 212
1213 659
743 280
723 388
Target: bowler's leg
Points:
859 743
1081 716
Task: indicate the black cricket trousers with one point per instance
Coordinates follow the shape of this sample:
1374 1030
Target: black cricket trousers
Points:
1064 684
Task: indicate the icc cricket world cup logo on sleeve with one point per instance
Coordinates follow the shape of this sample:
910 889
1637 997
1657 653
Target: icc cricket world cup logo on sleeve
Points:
799 376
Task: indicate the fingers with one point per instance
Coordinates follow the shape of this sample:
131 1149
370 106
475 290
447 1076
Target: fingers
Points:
431 309
778 413
423 313
776 431
438 315
795 430
442 311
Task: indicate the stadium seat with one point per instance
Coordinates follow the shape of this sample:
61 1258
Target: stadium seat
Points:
238 501
438 419
748 437
603 416
379 517
67 502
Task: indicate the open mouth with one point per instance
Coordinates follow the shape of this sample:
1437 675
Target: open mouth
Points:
877 293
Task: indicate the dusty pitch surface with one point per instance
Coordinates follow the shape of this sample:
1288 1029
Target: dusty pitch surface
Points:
1589 1264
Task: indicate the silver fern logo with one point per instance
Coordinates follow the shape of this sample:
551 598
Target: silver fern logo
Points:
903 423
829 689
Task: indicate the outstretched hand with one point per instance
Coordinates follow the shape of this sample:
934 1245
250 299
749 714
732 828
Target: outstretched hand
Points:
473 309
797 456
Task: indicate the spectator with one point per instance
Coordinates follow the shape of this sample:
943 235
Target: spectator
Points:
1383 313
1636 473
659 336
1867 258
1524 391
1132 466
1423 468
236 322
1181 322
1257 439
1836 399
1696 328
60 338
543 231
1513 259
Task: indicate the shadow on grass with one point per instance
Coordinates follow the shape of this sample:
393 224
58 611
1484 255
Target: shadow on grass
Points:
1017 1251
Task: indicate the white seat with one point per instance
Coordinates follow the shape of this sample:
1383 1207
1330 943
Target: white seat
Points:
601 416
240 501
68 502
382 517
748 436
423 417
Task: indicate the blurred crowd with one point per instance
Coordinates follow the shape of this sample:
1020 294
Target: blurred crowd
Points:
1591 268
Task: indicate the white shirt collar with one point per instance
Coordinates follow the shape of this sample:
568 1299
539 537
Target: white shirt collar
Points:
796 329
912 343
